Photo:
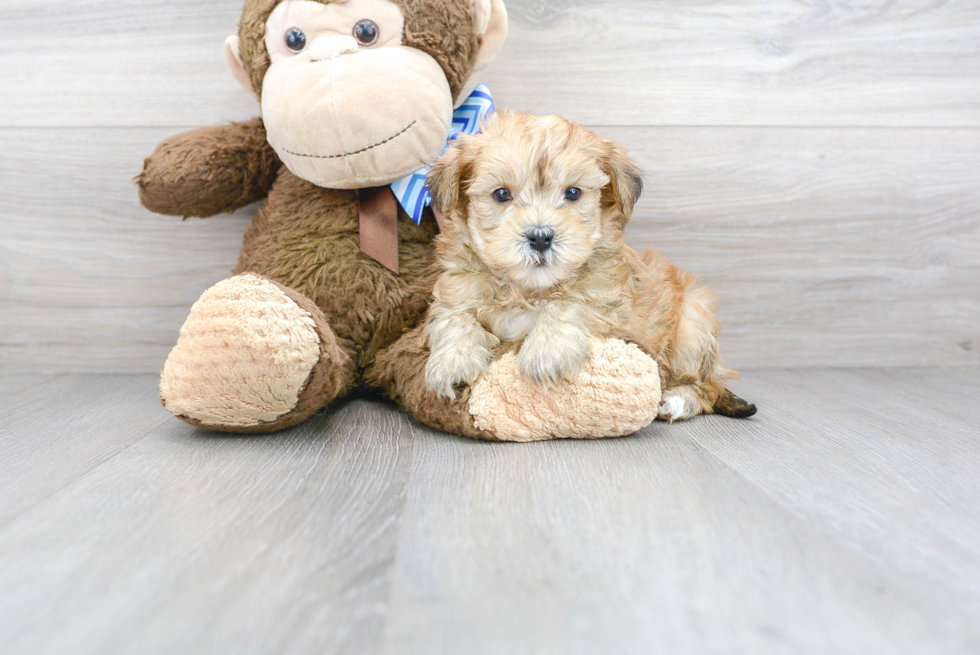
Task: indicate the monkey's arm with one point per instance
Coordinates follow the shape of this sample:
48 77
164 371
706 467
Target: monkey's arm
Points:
209 171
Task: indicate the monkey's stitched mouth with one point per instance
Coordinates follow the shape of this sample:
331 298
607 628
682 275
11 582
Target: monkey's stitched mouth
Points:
355 152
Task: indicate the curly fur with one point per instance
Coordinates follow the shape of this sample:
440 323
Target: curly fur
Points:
497 290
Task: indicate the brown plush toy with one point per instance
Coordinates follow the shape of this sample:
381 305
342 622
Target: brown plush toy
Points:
354 95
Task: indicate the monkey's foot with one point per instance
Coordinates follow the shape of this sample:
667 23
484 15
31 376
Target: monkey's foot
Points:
615 394
253 356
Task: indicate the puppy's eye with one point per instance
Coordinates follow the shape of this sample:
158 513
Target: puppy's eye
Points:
573 194
295 39
366 32
502 195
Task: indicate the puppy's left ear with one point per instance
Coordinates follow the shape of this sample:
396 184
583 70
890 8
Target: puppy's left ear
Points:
626 179
445 179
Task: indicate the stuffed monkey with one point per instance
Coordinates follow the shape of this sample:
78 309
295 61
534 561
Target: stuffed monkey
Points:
328 292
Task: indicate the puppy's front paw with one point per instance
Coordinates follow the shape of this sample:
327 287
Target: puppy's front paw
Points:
452 366
549 359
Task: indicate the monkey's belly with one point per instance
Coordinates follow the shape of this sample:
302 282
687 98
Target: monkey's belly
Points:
313 247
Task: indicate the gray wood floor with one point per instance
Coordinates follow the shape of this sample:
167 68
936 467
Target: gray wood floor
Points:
844 518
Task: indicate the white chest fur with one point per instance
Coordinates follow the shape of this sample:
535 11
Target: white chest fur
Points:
514 324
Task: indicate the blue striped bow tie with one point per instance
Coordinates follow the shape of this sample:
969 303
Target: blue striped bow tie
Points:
411 192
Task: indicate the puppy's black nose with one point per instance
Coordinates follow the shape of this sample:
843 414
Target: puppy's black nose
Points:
540 238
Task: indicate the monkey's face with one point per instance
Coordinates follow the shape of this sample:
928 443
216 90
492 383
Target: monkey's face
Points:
346 105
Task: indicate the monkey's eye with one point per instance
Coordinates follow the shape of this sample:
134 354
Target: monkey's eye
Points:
502 195
366 32
573 194
295 39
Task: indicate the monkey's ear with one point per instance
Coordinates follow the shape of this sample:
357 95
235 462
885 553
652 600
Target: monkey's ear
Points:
233 58
491 22
626 178
445 180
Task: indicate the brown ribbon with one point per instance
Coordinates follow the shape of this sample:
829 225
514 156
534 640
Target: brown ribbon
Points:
440 219
379 225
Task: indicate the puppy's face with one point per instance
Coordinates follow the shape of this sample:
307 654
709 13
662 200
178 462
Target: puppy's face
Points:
533 197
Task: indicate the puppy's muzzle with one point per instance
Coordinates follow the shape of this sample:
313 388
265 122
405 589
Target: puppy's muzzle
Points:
541 238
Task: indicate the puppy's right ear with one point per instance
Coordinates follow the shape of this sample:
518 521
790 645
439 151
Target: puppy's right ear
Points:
445 179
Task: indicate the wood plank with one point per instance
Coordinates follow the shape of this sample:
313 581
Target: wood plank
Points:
779 534
886 468
950 391
828 247
89 280
68 426
129 62
619 62
739 62
12 385
190 542
839 519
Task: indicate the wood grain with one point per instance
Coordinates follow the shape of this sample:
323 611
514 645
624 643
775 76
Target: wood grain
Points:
840 519
817 163
69 443
195 542
89 280
708 536
617 62
829 244
827 247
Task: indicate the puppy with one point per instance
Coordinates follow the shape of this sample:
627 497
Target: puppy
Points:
534 257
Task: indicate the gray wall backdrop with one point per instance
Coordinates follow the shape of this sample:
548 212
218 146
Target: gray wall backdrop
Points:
817 163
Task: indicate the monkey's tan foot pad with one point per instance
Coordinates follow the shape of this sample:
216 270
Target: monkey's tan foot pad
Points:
615 394
252 357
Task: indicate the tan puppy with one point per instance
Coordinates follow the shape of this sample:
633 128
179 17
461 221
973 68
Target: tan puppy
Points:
534 256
